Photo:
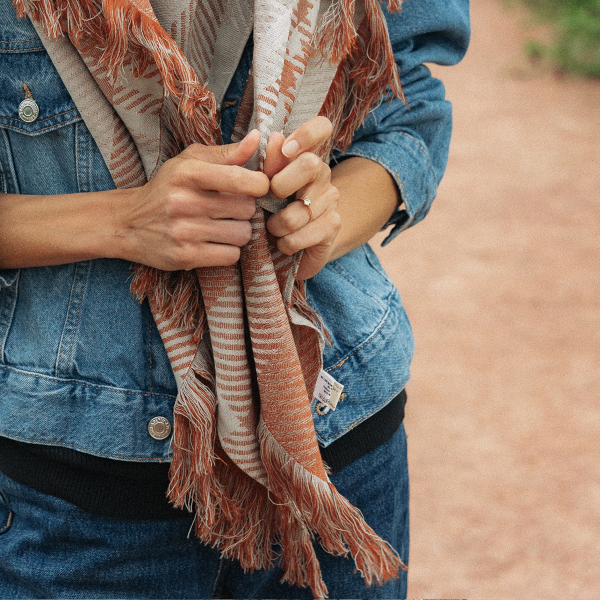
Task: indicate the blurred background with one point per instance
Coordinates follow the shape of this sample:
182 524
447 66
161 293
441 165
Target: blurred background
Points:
502 285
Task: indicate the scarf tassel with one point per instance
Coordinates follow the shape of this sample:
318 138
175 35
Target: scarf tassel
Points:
122 34
247 522
315 508
366 74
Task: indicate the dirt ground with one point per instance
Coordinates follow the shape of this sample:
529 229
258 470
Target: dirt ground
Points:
502 285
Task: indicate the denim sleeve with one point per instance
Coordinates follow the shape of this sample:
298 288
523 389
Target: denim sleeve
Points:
412 142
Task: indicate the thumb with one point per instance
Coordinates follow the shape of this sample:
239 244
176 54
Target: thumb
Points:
237 154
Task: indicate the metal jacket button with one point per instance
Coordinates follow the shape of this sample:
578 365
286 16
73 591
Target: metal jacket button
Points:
159 428
29 110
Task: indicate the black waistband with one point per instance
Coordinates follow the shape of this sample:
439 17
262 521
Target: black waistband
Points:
137 490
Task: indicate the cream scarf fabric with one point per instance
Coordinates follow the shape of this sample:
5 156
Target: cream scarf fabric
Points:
243 343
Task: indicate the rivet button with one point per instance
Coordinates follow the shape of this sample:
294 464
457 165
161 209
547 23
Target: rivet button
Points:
29 110
159 428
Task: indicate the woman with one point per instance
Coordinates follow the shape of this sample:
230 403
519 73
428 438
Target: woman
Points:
87 413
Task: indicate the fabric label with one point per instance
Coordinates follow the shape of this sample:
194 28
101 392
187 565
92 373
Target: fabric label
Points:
328 390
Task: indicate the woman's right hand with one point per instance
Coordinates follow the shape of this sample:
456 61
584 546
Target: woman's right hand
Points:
196 211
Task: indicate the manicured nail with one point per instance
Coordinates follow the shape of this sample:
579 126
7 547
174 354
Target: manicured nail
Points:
291 148
250 133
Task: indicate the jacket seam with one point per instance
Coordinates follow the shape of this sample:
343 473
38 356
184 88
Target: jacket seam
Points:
19 41
19 49
375 409
6 527
77 116
365 343
106 388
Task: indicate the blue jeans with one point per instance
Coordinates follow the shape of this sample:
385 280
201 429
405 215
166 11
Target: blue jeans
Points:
50 548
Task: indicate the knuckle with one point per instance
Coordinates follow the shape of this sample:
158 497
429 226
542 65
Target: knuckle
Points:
184 258
224 150
334 196
178 172
312 163
248 208
285 246
336 221
287 220
232 255
245 233
174 206
194 150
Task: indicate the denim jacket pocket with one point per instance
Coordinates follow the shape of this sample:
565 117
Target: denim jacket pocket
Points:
371 340
352 294
39 122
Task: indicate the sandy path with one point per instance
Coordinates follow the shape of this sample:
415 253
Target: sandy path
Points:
502 284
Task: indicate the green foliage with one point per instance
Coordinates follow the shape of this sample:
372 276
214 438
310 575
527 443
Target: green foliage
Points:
576 25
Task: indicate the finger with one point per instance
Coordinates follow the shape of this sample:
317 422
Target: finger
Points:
201 175
306 169
297 215
207 254
231 206
227 154
313 260
230 231
292 218
275 161
321 231
200 254
308 137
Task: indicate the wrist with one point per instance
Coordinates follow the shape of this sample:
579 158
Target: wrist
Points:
50 230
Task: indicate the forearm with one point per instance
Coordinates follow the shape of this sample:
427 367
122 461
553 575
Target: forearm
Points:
368 196
50 230
194 213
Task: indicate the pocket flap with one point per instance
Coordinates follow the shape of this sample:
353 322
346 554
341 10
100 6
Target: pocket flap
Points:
27 74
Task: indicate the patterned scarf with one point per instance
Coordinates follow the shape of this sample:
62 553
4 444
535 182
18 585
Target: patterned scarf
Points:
243 342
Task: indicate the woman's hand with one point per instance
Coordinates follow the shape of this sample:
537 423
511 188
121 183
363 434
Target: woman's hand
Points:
196 212
294 170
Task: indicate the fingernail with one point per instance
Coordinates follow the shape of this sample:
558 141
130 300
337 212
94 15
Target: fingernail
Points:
251 132
291 148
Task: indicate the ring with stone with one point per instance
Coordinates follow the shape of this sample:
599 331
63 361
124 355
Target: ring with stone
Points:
307 203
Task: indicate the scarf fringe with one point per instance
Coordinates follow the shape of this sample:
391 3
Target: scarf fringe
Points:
125 34
175 295
362 78
244 520
314 507
336 34
193 443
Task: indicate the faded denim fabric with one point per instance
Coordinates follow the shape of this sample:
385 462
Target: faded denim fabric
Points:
81 362
50 548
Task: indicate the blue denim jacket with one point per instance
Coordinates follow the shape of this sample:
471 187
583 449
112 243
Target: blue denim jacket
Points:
81 362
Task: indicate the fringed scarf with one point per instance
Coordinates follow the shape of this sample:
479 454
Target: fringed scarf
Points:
243 342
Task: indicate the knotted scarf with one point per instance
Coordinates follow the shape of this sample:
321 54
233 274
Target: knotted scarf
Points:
243 342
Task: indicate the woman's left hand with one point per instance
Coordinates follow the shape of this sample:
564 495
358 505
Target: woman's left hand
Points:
294 170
